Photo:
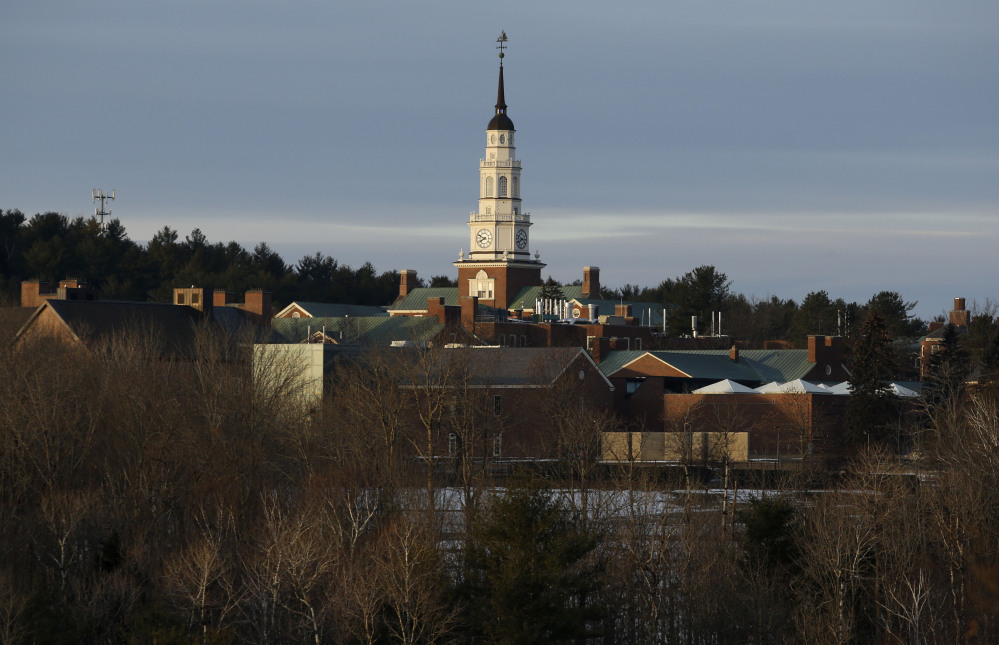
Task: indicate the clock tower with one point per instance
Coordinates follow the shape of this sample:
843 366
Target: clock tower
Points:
499 262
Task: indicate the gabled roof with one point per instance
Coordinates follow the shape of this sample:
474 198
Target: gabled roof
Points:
11 320
527 297
618 359
713 366
770 364
516 366
417 298
332 310
377 331
175 325
86 321
755 365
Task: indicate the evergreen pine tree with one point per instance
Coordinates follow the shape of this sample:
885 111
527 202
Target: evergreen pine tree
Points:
946 374
534 575
873 407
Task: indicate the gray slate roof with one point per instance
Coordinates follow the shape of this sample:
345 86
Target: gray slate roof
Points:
173 326
11 320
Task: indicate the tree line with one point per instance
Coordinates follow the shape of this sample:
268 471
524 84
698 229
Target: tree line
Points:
211 501
51 247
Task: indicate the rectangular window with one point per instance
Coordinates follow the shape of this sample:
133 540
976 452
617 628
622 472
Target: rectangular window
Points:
194 298
452 444
497 404
180 298
497 445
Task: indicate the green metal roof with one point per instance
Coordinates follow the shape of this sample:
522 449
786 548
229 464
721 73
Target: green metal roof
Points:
376 331
616 360
714 366
771 364
761 365
417 298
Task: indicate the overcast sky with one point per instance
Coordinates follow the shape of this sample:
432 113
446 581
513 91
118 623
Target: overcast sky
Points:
796 145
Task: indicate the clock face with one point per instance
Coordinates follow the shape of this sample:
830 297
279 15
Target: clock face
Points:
483 237
521 239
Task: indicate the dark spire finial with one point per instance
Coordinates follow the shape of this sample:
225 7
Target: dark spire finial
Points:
502 45
501 121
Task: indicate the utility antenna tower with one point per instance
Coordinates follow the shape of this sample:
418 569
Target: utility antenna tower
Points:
99 195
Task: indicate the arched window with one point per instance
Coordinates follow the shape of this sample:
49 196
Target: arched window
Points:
482 286
489 186
516 187
502 186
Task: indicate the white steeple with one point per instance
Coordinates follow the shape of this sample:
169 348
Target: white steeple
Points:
499 230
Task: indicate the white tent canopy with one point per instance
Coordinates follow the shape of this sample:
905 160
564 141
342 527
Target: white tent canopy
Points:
802 387
725 387
845 389
792 387
840 388
903 392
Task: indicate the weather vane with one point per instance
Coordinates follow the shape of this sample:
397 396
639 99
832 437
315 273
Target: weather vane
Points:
502 45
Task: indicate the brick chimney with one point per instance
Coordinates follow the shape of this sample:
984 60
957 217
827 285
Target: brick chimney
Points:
469 308
733 354
624 311
815 343
599 348
223 298
591 282
827 350
32 291
959 316
435 308
407 282
258 301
